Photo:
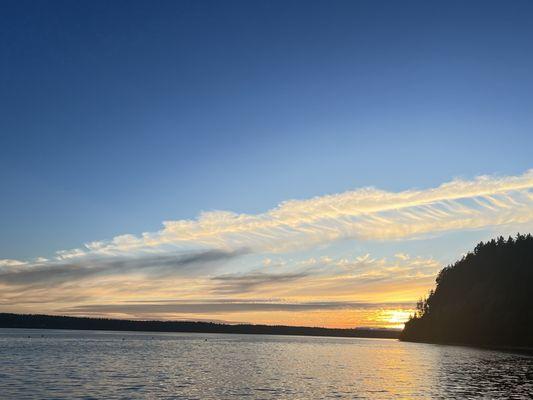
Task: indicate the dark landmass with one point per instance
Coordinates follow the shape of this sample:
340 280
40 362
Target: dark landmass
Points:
28 321
484 299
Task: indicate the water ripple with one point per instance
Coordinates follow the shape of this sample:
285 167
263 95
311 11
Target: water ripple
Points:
110 365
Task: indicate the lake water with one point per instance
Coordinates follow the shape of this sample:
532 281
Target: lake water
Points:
114 365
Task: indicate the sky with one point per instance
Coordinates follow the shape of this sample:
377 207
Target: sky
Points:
288 162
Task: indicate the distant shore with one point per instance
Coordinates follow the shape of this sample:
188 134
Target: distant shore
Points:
36 321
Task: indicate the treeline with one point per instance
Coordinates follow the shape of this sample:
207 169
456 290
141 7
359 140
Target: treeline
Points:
486 298
77 323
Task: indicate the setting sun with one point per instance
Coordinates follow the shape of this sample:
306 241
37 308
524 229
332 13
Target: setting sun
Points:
394 318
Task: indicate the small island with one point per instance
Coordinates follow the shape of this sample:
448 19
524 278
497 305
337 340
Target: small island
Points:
484 299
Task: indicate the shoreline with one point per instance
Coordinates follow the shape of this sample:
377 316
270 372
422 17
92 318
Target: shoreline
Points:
31 321
505 348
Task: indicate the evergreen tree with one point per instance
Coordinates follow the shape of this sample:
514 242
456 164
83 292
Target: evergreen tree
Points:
485 298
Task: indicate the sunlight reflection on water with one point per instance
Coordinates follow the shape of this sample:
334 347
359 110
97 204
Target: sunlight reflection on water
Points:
114 365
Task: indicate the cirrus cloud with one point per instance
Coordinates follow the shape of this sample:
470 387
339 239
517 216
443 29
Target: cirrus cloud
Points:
188 258
366 213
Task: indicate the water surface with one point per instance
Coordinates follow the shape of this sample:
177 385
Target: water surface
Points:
46 364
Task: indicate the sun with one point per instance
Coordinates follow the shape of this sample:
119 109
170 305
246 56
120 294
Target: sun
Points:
394 318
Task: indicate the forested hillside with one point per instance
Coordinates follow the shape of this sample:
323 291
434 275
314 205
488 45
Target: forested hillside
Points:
485 298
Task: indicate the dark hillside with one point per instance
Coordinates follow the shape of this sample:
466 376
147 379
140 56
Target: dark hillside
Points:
486 298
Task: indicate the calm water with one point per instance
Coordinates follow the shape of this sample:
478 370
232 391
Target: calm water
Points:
110 365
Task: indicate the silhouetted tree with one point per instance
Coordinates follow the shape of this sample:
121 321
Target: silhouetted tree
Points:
484 298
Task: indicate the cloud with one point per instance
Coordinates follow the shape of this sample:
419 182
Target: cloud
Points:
321 291
226 307
196 248
365 278
7 263
233 283
402 256
80 268
366 213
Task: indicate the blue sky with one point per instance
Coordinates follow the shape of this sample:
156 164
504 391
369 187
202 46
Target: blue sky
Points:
118 116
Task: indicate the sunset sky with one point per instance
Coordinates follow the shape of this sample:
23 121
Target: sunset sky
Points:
277 162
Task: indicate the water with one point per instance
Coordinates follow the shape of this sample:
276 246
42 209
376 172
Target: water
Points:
114 365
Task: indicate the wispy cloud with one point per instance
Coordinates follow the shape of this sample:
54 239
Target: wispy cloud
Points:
359 279
241 283
361 287
74 268
366 213
190 258
226 307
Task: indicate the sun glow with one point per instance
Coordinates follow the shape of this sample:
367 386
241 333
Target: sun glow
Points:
394 318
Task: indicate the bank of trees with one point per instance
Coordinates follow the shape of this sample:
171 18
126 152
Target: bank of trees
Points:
81 323
485 298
